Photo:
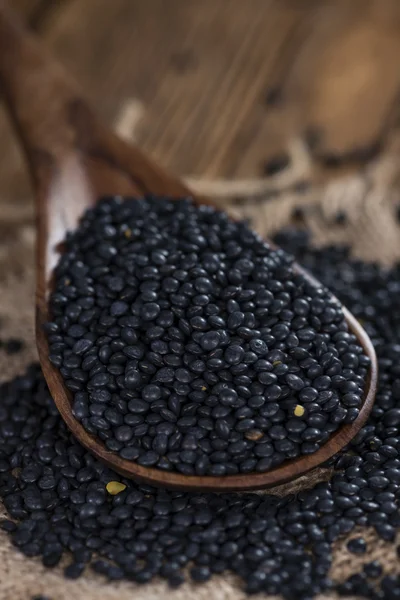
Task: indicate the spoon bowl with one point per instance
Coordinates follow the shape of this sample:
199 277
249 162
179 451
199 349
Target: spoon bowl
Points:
74 161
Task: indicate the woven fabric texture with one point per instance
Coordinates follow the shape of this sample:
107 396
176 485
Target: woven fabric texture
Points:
372 230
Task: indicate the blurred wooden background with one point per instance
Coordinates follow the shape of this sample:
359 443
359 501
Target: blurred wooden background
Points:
229 88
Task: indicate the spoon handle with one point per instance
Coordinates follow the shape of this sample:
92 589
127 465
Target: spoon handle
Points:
38 94
57 127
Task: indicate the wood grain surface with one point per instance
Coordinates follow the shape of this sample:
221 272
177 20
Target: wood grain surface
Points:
223 88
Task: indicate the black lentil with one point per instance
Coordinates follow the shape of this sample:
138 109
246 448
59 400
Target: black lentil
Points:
277 545
373 569
357 545
276 164
168 313
13 345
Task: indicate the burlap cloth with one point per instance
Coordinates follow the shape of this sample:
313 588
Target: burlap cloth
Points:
369 200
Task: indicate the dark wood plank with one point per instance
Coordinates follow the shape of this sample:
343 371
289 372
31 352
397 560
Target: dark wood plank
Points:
205 71
225 87
36 12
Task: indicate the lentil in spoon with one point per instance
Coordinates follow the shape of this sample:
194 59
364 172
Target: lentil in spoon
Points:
191 345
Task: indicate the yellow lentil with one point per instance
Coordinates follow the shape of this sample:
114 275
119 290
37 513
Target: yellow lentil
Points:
115 487
299 410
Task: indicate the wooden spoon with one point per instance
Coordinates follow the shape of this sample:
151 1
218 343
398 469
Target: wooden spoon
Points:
74 160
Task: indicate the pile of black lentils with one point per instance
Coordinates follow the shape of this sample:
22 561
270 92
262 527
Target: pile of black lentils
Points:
190 345
61 499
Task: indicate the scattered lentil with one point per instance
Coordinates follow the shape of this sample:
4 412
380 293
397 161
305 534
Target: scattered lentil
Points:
340 217
13 345
357 545
276 164
298 213
178 324
115 487
273 96
277 545
373 569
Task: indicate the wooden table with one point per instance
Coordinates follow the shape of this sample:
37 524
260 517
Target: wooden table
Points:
227 88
